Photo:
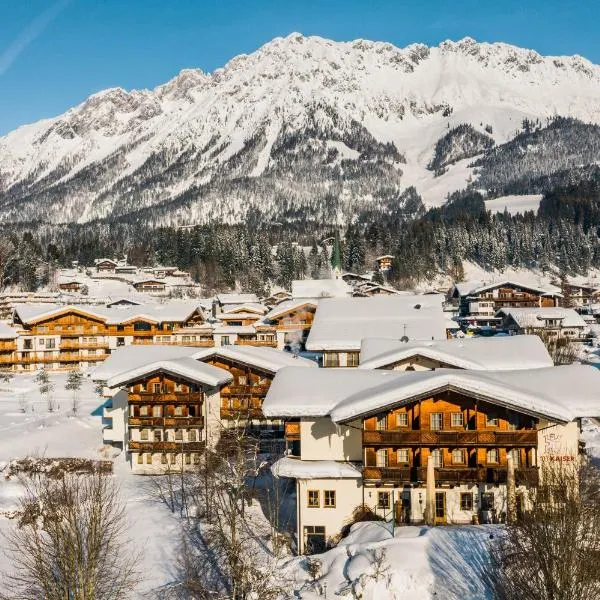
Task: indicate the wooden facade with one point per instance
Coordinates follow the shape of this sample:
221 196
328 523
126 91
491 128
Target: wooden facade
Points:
165 421
509 295
469 439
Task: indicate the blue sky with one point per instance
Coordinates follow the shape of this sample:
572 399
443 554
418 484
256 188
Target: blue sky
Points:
55 53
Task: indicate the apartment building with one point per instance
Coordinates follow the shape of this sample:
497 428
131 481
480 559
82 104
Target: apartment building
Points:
365 437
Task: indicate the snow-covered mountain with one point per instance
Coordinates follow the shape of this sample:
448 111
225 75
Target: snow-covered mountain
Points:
304 125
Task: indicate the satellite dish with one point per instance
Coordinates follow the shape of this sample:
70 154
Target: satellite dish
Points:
404 339
417 306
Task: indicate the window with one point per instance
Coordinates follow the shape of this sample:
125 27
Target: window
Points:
144 434
27 344
401 419
156 388
492 456
438 459
163 459
179 411
225 340
513 421
148 459
314 537
403 456
188 459
492 420
42 341
458 457
436 421
352 359
329 498
381 422
457 419
120 341
140 459
381 458
242 380
179 435
156 411
157 435
313 499
383 499
332 359
516 456
192 435
144 410
141 326
466 501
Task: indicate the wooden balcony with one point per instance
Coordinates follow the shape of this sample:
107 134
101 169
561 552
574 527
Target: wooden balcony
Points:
450 475
262 343
292 431
8 346
245 391
148 446
293 326
7 359
172 398
76 345
182 422
446 439
242 413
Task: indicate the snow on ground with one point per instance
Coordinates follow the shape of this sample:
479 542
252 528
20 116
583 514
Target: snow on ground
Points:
152 527
420 563
515 204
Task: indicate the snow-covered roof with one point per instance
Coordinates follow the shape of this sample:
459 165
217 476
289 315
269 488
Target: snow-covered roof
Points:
294 393
186 367
127 358
314 469
535 316
557 393
268 359
341 323
7 332
234 329
176 310
467 288
491 354
287 306
247 307
237 299
320 288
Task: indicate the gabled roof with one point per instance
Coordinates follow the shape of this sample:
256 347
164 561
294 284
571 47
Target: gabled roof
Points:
105 260
490 354
341 323
237 298
247 307
287 306
186 367
314 469
7 332
267 359
535 316
557 393
468 288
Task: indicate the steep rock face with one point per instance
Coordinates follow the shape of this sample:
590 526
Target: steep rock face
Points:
301 126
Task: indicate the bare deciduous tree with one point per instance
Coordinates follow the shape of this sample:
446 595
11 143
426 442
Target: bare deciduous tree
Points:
552 552
69 542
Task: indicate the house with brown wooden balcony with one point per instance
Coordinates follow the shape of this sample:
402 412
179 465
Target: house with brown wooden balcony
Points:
287 324
385 425
170 410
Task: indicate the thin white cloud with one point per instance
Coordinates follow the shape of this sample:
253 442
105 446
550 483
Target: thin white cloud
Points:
30 33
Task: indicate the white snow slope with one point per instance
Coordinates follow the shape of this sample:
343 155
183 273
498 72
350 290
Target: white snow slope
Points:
117 140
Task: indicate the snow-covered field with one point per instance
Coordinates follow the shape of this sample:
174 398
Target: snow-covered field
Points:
515 204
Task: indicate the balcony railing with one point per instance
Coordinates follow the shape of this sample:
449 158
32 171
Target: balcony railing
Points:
451 475
75 345
166 421
242 413
264 343
422 437
292 431
172 397
136 446
245 390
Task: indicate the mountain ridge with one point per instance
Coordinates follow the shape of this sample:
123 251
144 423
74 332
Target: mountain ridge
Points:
301 124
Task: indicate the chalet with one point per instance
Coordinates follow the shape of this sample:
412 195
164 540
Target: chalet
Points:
162 272
242 314
126 270
478 303
172 411
384 263
554 322
226 300
151 286
341 323
287 324
365 290
106 265
8 347
479 354
70 286
580 294
366 437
